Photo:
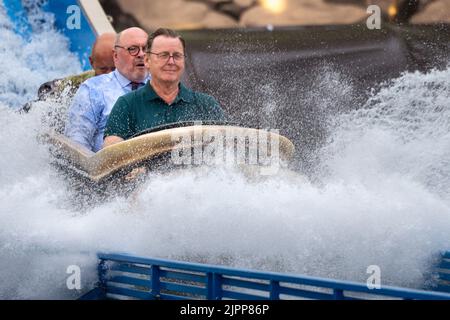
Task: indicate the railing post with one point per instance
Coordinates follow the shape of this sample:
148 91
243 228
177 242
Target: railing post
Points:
274 290
338 294
155 282
214 286
101 271
209 286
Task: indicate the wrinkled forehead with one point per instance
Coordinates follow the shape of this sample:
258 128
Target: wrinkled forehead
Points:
164 43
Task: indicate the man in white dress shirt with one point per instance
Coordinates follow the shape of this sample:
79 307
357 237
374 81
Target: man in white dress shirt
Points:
96 96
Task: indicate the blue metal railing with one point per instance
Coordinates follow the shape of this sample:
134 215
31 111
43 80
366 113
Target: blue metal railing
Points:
444 273
124 276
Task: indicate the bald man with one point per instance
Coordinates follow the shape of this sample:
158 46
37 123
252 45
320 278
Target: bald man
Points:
101 57
96 96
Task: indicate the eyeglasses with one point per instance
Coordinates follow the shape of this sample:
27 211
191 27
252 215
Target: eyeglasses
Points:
165 56
132 50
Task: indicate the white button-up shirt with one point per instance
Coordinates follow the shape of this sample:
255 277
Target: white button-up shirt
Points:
92 105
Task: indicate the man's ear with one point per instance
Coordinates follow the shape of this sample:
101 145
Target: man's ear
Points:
91 61
115 56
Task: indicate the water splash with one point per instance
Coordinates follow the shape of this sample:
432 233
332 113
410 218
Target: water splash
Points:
402 130
27 64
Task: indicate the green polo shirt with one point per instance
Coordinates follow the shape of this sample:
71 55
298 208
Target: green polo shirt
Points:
143 109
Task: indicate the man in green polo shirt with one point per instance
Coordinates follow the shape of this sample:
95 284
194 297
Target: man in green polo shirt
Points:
164 99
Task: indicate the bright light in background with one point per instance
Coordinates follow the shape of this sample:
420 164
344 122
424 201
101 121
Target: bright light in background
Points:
392 11
275 6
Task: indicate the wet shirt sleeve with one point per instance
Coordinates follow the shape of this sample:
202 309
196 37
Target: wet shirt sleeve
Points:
81 123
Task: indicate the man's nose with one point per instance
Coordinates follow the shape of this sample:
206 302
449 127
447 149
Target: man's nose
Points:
141 53
171 60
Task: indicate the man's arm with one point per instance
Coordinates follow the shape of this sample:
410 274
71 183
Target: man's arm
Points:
81 123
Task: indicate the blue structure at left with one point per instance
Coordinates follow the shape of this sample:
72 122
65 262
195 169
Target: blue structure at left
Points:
69 20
